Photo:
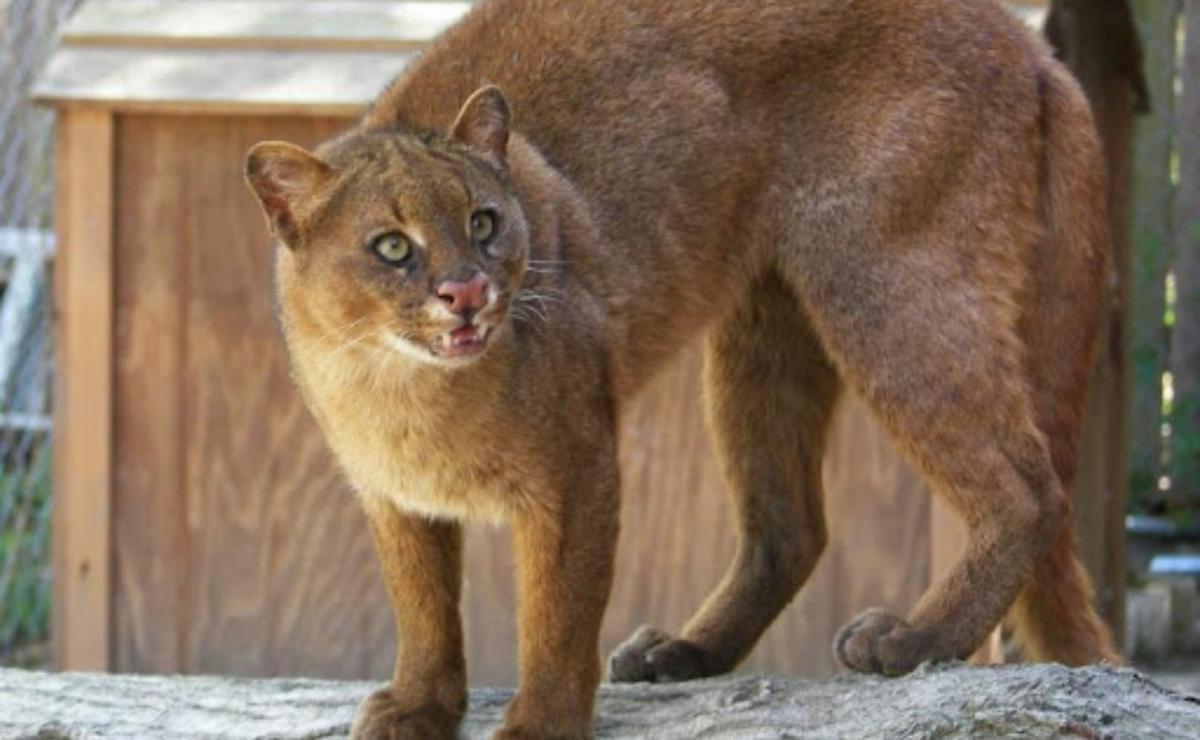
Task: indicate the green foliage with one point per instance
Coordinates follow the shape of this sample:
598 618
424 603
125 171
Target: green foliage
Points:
1185 453
24 554
1143 487
1147 365
1169 312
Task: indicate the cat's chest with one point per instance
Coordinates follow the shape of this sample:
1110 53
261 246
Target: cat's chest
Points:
444 467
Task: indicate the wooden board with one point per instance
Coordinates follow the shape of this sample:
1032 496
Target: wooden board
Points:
151 531
272 56
83 391
264 24
230 81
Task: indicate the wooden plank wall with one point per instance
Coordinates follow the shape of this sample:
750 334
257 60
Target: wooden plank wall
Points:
238 547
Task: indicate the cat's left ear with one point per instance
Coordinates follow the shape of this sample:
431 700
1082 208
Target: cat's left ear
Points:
285 178
483 122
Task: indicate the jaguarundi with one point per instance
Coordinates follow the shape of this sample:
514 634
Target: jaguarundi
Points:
901 197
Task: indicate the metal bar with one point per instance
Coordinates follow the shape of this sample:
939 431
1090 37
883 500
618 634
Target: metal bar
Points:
19 242
27 422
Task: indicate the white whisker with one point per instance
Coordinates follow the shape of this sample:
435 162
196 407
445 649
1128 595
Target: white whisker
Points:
344 328
544 299
547 291
327 359
524 298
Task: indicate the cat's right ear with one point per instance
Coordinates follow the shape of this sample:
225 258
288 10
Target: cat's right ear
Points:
483 123
284 176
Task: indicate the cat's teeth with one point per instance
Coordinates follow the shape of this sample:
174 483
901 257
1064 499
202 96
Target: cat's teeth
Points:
464 340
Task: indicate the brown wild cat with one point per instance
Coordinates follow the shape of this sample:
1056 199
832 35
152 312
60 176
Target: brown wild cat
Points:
901 196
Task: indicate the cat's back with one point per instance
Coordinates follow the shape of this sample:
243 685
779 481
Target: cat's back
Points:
573 69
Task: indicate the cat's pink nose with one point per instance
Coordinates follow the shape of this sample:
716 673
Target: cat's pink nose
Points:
461 296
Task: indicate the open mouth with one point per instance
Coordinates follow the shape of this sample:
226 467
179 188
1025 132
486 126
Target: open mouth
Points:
465 341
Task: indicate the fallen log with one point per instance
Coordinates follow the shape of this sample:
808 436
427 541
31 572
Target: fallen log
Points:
944 701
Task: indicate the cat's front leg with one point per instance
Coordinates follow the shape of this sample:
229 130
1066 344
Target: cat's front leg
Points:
421 560
565 562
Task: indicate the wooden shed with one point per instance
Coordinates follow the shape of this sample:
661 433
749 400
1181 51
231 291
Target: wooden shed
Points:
200 523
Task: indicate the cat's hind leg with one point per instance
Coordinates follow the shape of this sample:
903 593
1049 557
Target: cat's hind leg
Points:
926 332
770 393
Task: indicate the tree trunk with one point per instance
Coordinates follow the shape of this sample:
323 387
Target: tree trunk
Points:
947 701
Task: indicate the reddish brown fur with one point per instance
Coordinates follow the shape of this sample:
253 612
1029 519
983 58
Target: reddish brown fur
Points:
900 196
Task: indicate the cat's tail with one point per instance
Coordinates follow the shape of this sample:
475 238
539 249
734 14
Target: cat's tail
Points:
1054 617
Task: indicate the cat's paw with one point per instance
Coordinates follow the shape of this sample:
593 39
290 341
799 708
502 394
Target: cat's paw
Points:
878 642
652 655
380 717
552 713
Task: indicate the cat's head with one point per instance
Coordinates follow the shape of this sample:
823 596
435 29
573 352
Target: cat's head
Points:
413 241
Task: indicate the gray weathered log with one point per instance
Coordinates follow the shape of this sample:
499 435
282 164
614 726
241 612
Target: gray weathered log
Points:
949 701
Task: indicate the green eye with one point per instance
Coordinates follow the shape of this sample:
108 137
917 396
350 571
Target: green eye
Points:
393 247
483 226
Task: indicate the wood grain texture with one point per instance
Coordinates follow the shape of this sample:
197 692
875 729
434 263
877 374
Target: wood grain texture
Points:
83 391
240 548
150 531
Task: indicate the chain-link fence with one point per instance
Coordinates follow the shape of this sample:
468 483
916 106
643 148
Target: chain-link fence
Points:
27 32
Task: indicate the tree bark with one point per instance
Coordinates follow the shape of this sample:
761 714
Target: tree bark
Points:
946 701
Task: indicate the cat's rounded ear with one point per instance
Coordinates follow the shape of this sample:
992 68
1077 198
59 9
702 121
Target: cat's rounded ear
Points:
285 178
483 122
